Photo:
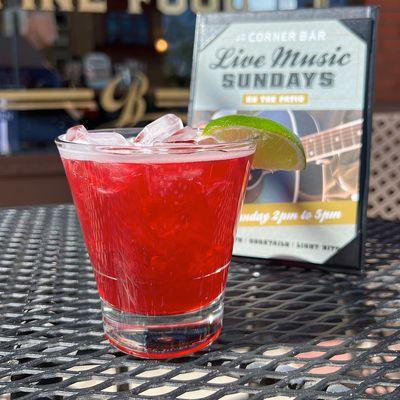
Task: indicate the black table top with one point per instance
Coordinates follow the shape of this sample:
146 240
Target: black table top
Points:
289 333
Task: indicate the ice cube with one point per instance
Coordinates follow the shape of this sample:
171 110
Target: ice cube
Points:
77 134
107 139
186 134
159 130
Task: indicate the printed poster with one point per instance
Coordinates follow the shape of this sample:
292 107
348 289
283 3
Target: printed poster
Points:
311 72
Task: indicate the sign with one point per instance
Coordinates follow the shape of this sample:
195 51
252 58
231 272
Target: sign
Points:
310 70
167 7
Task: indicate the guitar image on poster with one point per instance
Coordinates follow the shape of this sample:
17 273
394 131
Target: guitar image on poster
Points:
332 163
311 71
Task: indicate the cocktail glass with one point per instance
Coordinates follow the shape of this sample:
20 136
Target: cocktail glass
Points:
159 223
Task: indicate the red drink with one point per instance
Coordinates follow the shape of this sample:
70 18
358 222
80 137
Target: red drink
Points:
159 236
159 229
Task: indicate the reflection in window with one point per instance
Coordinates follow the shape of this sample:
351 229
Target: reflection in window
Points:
179 35
126 28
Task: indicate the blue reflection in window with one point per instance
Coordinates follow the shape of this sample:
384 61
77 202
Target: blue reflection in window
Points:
178 30
127 28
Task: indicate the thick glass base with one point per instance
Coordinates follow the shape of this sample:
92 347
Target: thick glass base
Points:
165 336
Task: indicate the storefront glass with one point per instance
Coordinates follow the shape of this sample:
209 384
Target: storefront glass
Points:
103 64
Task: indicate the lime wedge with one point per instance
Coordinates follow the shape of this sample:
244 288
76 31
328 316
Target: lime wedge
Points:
278 148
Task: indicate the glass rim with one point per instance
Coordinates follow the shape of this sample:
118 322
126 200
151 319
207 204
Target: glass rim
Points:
160 148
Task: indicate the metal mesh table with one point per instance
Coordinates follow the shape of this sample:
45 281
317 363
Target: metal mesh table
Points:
289 333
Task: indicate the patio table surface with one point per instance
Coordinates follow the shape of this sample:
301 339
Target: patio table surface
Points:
289 332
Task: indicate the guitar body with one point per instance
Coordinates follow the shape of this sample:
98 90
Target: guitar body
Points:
311 183
282 186
341 176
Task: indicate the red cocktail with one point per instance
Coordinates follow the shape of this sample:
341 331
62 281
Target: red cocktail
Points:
159 224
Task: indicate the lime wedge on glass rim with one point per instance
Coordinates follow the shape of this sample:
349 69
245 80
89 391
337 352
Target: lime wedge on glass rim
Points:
278 148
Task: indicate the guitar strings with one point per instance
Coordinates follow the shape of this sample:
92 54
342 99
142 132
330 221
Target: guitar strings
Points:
356 139
330 139
350 125
318 151
322 135
324 149
331 145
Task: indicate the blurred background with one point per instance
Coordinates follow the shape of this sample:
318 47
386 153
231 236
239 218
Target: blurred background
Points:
117 63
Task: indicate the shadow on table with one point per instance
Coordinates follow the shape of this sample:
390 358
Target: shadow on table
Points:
273 304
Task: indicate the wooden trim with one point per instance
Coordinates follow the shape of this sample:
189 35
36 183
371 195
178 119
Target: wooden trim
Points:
24 165
171 103
54 105
154 115
171 93
171 97
27 179
47 94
